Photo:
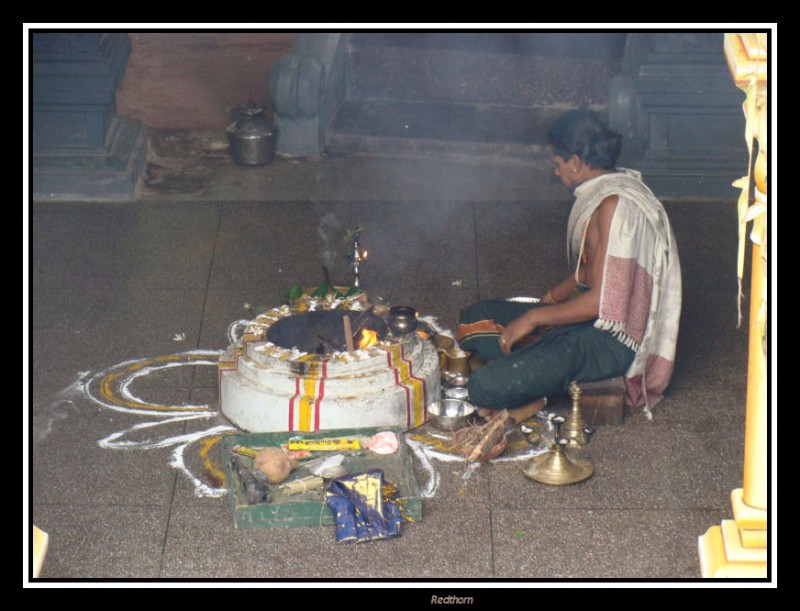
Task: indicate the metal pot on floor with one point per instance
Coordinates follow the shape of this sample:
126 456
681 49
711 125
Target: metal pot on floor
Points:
251 136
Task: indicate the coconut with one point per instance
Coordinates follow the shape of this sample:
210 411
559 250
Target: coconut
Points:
275 464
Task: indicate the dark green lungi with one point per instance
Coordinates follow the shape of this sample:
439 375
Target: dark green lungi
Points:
578 352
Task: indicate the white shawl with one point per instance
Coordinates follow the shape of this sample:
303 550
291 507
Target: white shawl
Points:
640 296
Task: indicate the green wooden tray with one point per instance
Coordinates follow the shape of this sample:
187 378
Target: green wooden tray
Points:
309 508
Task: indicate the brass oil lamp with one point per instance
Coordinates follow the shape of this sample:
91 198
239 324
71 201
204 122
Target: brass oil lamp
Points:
556 467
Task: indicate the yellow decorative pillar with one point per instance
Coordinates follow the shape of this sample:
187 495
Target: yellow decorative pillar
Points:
40 540
738 548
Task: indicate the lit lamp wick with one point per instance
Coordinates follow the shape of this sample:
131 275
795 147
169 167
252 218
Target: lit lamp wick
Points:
356 257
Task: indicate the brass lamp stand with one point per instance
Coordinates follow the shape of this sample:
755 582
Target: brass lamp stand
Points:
556 467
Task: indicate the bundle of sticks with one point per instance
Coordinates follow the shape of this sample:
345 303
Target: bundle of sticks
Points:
484 442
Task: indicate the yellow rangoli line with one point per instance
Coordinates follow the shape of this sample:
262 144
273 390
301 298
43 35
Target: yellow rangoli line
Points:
434 443
108 389
205 453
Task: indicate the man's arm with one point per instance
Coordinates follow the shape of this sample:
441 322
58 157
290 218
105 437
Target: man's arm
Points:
561 291
586 305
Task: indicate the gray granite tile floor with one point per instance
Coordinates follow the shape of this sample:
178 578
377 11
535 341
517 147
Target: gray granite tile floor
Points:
115 288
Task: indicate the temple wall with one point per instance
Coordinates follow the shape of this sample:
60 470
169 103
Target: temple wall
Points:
189 80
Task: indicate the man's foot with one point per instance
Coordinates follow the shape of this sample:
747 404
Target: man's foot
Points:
519 414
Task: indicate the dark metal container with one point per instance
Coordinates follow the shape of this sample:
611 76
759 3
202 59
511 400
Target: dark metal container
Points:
402 320
251 136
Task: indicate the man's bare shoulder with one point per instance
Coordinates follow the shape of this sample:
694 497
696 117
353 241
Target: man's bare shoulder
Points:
601 219
609 204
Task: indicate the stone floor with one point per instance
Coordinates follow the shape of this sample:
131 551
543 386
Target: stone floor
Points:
130 289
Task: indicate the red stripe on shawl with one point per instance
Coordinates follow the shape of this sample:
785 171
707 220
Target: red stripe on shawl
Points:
627 290
658 372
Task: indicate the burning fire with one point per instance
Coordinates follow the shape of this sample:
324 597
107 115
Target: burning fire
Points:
368 338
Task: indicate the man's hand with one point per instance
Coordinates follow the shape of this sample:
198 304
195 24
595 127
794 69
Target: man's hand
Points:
517 329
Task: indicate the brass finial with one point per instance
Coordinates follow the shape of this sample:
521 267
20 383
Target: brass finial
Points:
575 428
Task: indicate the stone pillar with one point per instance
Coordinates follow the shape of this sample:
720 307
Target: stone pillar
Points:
306 87
738 548
81 149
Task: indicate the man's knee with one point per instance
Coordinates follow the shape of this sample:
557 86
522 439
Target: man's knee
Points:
480 389
479 310
492 386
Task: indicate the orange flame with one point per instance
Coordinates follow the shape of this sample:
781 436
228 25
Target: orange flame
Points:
368 338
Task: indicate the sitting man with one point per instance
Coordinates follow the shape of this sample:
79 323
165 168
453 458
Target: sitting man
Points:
616 314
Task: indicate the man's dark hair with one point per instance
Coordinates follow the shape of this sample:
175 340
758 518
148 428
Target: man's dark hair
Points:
583 133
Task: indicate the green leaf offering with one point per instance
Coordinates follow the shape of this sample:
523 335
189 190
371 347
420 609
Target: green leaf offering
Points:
359 229
295 292
322 290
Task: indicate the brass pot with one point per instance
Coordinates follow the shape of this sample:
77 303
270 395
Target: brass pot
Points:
402 320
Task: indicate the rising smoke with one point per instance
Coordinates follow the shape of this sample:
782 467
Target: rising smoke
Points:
329 230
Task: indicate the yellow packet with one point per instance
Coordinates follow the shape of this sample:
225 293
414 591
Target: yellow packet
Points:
324 445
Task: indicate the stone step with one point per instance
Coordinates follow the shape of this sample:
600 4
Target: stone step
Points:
487 95
381 127
502 69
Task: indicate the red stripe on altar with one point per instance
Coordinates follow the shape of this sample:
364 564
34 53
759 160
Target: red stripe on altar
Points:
320 394
291 403
420 380
397 381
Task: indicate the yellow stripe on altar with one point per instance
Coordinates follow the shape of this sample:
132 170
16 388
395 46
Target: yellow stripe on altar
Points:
417 388
306 406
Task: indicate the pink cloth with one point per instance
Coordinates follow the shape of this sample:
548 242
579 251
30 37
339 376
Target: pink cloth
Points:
640 298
